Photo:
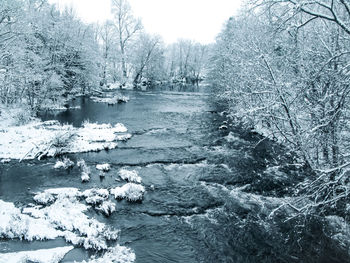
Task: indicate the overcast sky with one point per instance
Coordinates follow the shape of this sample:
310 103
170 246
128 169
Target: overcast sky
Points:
200 20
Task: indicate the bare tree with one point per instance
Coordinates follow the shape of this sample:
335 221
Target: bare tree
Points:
126 27
107 36
283 67
148 47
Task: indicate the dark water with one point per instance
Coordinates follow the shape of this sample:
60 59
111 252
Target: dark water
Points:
188 167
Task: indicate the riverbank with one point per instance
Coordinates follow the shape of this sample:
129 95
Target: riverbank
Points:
26 137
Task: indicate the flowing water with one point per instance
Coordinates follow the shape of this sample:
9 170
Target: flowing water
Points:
188 166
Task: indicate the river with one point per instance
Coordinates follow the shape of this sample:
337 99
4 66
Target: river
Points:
189 163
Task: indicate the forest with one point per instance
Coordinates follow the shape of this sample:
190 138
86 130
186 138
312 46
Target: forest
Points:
49 54
283 67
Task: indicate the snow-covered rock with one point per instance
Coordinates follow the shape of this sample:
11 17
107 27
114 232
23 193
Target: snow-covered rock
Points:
103 167
129 191
52 255
130 176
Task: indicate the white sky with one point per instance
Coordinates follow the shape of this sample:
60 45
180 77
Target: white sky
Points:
200 20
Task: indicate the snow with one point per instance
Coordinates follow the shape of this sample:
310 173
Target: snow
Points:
38 139
44 198
232 138
129 191
112 86
81 164
95 196
52 255
14 224
91 192
107 208
113 100
85 177
63 216
120 127
118 254
130 176
63 192
85 174
65 164
103 167
59 108
123 137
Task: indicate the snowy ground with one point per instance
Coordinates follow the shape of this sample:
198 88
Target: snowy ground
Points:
38 139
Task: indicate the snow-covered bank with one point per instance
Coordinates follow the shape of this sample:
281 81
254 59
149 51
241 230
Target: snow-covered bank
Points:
52 255
37 139
61 213
111 100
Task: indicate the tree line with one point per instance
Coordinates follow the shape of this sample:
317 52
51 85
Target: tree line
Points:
283 67
47 54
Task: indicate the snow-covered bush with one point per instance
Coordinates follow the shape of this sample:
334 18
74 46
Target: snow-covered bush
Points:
62 216
103 167
130 176
130 191
85 174
95 196
65 164
62 139
106 207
